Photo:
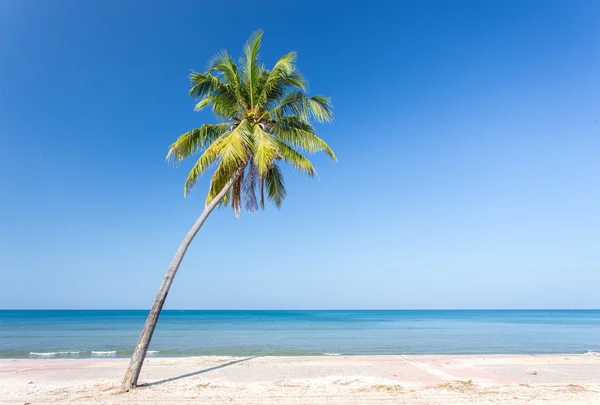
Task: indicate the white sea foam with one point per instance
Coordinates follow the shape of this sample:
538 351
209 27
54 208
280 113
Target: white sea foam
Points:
592 353
152 351
332 354
110 353
53 354
48 354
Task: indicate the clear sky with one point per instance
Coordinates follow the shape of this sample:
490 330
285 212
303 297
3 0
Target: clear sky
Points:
468 137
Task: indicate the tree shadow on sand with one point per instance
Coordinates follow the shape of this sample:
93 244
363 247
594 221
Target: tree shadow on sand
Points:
230 363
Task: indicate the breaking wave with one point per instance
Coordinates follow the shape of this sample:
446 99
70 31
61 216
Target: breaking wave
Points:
54 354
110 353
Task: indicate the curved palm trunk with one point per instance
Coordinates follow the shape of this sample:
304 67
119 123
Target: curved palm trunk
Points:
139 354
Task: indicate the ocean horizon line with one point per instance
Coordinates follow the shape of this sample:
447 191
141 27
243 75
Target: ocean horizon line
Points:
301 309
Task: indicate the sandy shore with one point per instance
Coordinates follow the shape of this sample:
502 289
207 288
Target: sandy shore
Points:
431 379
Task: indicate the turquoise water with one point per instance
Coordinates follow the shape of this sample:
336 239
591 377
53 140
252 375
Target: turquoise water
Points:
46 334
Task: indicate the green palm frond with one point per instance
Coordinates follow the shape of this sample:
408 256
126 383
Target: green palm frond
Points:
195 141
222 62
275 185
299 133
276 91
282 77
202 84
206 160
295 159
284 65
293 103
236 148
266 119
320 108
251 66
294 79
266 150
223 173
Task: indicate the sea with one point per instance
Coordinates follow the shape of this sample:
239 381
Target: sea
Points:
95 333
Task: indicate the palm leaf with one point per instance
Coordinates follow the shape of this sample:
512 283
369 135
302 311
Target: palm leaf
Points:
294 158
275 185
223 62
251 64
293 103
236 195
195 141
320 108
299 133
206 160
249 188
237 147
265 149
280 78
202 84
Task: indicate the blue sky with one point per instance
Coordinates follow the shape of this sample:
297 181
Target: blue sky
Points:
468 137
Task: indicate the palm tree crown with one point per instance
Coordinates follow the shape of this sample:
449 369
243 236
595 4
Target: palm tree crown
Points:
265 119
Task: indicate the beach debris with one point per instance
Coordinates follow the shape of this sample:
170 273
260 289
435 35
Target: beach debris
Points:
532 372
385 388
458 385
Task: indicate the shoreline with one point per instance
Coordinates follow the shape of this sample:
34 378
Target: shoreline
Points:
158 354
155 354
430 379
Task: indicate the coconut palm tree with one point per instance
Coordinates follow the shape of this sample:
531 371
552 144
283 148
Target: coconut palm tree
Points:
265 121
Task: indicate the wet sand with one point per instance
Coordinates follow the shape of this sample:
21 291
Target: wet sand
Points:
415 379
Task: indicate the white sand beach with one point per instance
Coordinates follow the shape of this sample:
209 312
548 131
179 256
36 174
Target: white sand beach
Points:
416 379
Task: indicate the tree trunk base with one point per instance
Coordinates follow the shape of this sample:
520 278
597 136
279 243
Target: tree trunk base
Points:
139 354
